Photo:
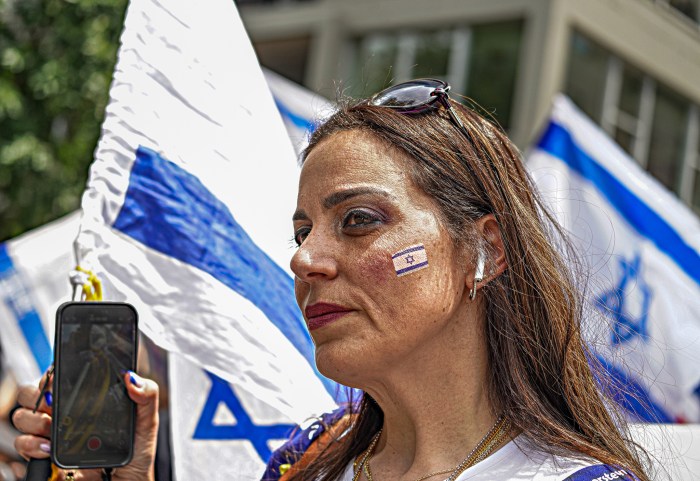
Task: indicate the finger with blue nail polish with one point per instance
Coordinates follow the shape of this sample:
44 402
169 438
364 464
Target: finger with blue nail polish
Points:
135 379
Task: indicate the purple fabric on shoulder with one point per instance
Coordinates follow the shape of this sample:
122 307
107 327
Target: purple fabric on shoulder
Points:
602 472
291 451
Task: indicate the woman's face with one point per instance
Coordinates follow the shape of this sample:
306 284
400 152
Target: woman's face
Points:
357 207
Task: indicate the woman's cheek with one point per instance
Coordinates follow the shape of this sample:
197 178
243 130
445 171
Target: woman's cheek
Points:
300 290
378 267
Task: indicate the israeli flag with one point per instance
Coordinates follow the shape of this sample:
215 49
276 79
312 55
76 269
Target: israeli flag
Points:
219 431
301 109
641 246
34 281
187 216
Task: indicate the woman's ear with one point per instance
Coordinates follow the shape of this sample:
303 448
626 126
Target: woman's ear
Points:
496 262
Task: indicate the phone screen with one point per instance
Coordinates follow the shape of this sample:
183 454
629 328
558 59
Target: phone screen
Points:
93 415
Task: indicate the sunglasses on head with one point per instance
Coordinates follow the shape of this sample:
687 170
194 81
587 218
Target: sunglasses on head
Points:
416 96
421 95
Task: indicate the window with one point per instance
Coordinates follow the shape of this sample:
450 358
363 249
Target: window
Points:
585 82
690 182
695 199
668 138
658 127
385 58
264 2
628 101
689 8
478 61
432 54
287 57
493 68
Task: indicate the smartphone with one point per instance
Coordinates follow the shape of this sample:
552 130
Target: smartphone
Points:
93 417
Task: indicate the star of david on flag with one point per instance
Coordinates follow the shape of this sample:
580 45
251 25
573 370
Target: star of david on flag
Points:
628 320
641 248
187 216
241 427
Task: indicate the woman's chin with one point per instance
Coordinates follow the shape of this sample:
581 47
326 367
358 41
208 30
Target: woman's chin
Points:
340 365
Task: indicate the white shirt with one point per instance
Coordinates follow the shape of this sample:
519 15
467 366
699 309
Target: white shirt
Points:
515 462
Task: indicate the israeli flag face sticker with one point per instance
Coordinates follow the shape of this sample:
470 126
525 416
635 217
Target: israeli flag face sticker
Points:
411 259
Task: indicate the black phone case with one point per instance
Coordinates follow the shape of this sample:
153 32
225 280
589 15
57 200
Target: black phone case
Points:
87 463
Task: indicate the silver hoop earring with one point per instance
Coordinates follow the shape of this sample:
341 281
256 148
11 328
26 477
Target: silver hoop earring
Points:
478 274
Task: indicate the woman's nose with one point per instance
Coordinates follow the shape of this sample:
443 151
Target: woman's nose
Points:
314 260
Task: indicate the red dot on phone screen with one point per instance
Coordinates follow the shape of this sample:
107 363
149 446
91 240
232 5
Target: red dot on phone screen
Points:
94 443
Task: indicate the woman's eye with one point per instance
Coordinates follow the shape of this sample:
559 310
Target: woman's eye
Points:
359 218
300 234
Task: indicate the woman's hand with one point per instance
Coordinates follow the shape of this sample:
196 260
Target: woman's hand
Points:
35 426
36 429
144 393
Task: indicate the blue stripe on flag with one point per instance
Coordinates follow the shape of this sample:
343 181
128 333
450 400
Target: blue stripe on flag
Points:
18 300
169 210
631 395
559 142
409 250
297 120
411 268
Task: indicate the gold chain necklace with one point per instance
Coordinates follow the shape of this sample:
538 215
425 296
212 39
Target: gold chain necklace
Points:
482 450
368 472
365 456
485 447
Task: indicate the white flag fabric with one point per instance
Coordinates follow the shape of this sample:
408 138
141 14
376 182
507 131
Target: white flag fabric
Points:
187 216
641 246
187 210
220 432
34 281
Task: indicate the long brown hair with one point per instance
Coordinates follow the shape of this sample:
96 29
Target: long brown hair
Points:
541 372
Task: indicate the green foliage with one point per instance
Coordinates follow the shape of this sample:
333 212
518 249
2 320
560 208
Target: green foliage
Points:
56 63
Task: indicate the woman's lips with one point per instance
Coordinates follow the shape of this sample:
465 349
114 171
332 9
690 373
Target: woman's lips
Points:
322 313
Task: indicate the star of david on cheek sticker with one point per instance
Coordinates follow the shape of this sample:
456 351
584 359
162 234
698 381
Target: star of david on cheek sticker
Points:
410 259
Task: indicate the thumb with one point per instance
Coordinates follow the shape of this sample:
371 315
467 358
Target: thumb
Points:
144 392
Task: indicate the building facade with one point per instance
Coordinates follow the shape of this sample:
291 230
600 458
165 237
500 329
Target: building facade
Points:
631 65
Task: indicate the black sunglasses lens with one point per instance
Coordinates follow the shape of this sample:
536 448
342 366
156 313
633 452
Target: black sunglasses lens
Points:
408 95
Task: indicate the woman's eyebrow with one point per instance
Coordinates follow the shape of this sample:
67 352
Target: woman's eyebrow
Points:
343 195
338 197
